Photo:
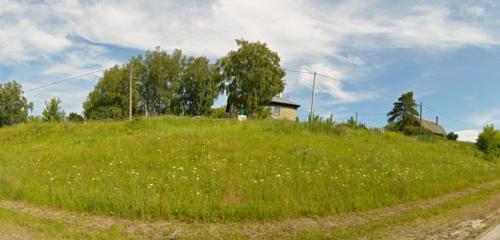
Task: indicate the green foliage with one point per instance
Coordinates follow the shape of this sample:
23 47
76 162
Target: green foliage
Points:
162 83
261 112
206 169
318 119
489 141
404 114
14 107
452 136
75 117
199 88
161 80
219 112
351 123
110 97
252 76
53 111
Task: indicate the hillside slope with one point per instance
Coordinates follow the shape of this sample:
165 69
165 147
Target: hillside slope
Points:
213 170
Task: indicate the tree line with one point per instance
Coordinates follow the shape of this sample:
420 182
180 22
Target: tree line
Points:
174 83
169 83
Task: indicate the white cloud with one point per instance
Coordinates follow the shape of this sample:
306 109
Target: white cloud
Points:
490 117
82 59
330 81
296 29
476 11
468 135
28 32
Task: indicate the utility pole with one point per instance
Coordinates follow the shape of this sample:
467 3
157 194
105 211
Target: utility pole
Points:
130 95
421 105
356 119
311 114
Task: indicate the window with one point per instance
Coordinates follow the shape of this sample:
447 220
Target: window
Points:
277 110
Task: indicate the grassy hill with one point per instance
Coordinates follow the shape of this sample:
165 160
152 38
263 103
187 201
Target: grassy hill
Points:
217 170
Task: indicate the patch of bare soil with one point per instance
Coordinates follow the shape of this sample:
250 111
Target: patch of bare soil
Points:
259 229
9 232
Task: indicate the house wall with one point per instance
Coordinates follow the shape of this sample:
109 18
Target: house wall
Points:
286 112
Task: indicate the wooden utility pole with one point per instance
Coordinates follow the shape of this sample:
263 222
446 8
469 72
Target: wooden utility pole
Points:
130 95
311 114
421 104
356 119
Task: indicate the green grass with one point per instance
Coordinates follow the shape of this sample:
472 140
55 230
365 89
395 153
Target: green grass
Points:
216 170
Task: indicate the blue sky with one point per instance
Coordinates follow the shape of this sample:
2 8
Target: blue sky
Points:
447 52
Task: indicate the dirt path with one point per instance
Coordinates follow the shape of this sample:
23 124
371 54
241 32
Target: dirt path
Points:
492 234
467 223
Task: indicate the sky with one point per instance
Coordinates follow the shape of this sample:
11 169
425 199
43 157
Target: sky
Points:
366 53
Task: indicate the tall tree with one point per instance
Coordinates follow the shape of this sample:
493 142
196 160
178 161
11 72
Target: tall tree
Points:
110 97
53 111
161 81
252 75
404 113
199 87
14 107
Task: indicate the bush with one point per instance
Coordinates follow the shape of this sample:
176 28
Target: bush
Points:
219 112
452 136
75 117
261 113
489 141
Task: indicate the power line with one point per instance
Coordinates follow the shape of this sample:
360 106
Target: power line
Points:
381 94
449 117
65 80
347 82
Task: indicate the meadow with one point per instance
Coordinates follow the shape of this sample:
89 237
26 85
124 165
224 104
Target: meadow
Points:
196 169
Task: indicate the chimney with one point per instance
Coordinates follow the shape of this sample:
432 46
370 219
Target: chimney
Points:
437 120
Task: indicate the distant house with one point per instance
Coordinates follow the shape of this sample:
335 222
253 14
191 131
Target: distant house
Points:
433 126
283 108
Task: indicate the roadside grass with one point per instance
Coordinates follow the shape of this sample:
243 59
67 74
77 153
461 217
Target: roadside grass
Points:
196 169
14 225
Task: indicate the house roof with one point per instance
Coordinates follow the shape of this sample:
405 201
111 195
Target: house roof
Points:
433 127
284 101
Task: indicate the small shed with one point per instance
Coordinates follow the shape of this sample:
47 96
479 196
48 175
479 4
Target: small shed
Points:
283 108
433 126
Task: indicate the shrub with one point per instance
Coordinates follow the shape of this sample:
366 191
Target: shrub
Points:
452 136
219 112
75 117
489 141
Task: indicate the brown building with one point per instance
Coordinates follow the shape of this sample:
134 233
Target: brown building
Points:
283 108
433 127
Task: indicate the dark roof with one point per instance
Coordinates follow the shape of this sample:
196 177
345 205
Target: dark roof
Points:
284 101
433 127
